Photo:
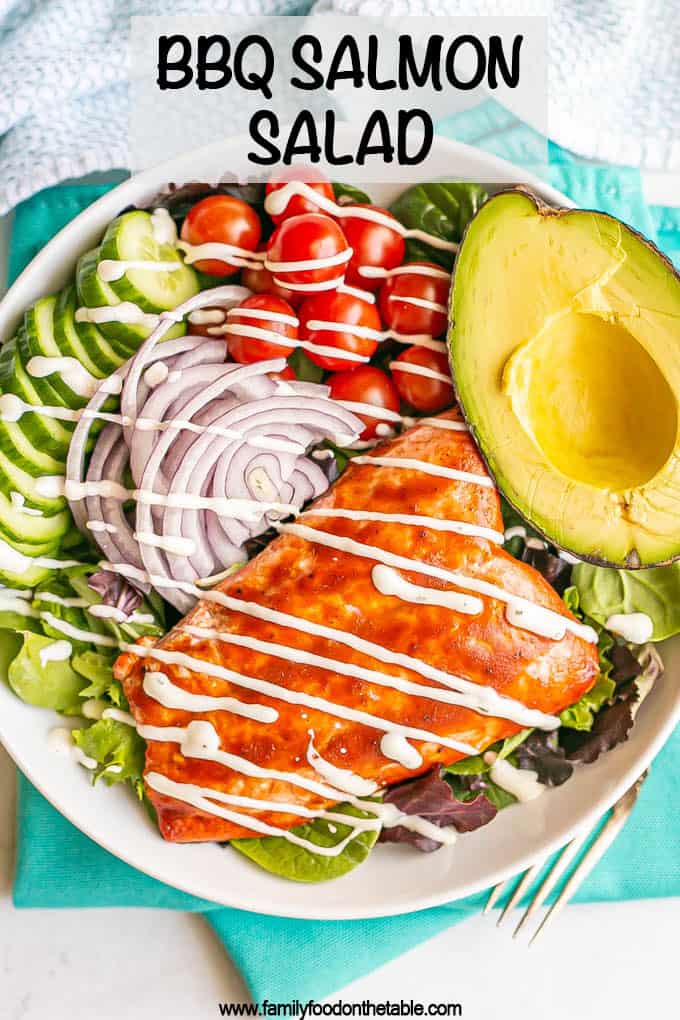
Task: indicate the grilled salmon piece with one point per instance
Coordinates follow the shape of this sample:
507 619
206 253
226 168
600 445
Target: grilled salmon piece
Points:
307 602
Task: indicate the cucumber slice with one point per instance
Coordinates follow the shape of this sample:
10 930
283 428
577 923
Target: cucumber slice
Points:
15 445
124 337
14 478
50 435
82 340
43 533
28 579
37 339
131 237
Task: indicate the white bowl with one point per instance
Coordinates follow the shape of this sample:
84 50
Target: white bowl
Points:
394 879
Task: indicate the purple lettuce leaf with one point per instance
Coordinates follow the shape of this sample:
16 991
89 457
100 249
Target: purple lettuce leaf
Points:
611 727
554 569
432 798
542 753
115 591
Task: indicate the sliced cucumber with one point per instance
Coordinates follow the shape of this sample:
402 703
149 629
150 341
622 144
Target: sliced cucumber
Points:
37 339
124 337
82 340
20 451
131 237
43 533
43 432
27 579
14 477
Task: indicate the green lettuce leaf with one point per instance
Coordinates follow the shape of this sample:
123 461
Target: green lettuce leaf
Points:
604 591
443 209
112 743
278 855
347 193
47 685
581 716
98 669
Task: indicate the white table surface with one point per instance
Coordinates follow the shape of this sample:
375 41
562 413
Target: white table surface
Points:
600 961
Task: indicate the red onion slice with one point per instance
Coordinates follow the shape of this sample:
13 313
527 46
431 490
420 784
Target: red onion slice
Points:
217 451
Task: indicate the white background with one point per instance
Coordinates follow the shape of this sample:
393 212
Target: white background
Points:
600 962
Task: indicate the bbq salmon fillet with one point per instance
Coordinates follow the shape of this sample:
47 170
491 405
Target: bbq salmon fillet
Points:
385 630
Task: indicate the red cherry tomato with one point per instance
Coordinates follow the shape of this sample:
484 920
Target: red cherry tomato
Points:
225 220
373 244
415 302
305 239
430 390
351 315
260 281
366 385
298 204
260 312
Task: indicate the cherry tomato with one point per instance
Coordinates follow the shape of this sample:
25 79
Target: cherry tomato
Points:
260 281
302 239
366 385
373 244
207 322
298 204
260 312
351 315
423 391
225 220
415 302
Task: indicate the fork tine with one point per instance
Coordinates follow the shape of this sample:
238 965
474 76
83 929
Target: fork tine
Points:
613 826
494 896
551 879
525 883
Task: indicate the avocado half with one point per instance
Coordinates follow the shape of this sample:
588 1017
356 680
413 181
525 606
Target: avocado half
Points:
565 352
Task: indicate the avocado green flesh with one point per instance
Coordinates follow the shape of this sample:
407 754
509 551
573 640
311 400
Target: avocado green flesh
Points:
565 348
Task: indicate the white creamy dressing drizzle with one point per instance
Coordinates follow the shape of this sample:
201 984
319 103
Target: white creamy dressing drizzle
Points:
125 312
70 370
96 708
178 545
207 316
15 600
242 258
277 201
243 509
156 374
410 520
398 749
159 686
50 486
163 227
58 651
77 633
412 464
200 740
14 562
341 779
101 526
271 336
417 302
363 295
427 373
636 628
380 273
18 501
281 693
473 696
103 612
521 783
520 611
109 270
390 582
60 741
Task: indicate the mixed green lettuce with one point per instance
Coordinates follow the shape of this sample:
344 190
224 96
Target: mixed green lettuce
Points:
604 591
48 664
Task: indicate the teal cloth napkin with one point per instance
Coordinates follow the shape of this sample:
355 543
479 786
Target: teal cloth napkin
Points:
57 866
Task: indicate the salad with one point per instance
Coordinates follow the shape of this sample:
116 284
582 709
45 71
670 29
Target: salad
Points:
237 427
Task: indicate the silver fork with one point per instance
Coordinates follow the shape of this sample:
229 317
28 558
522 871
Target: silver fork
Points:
610 830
